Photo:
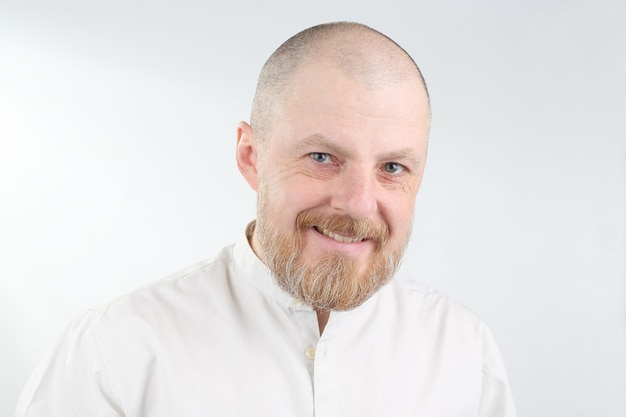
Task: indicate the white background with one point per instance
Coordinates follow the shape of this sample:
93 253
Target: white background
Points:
117 134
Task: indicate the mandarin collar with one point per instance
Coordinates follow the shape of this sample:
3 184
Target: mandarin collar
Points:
259 275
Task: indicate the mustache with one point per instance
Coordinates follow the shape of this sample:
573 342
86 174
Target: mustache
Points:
343 225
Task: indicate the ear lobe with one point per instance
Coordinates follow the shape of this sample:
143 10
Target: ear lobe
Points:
247 157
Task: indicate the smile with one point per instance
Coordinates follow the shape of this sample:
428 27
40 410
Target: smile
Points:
336 237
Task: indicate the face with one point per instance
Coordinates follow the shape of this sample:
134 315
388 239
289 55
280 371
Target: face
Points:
336 181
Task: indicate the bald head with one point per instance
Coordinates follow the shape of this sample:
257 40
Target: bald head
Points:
359 52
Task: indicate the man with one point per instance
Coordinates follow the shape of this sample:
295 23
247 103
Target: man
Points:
301 317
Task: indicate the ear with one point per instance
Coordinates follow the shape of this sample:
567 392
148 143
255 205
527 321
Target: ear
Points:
247 156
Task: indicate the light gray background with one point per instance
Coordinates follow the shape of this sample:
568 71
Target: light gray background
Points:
117 134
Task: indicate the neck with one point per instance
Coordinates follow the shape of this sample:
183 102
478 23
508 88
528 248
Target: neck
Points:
322 319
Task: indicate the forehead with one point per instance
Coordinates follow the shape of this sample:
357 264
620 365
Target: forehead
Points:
322 100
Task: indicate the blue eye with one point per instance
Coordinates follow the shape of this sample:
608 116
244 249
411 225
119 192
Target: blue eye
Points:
393 167
322 158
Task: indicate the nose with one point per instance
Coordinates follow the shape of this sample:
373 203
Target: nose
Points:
356 194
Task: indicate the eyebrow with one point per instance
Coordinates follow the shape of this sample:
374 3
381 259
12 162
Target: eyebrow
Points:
318 140
404 154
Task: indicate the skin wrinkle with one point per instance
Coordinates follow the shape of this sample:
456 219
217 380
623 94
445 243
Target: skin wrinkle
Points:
405 156
402 180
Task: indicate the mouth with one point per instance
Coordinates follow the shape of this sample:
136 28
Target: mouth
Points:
337 237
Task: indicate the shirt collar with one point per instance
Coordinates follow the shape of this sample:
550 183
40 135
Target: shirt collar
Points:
259 275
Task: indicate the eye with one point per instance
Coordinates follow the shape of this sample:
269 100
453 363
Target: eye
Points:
393 168
322 158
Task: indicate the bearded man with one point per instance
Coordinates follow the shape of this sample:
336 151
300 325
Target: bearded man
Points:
301 317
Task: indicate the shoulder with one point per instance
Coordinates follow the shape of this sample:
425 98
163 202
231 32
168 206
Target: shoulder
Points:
412 295
420 310
202 272
188 288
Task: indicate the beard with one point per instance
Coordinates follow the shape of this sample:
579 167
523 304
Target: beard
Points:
335 282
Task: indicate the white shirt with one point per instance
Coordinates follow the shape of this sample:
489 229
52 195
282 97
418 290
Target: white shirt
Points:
221 339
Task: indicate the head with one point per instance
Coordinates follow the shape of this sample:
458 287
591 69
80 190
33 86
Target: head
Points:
335 149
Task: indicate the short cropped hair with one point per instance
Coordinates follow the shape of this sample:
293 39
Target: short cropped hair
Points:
359 51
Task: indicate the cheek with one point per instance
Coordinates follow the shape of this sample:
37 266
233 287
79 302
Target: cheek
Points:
288 197
399 217
303 190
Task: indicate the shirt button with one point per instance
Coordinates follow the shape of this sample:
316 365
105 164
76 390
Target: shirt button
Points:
296 302
310 353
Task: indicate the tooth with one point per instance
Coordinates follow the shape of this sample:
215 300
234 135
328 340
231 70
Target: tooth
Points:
338 238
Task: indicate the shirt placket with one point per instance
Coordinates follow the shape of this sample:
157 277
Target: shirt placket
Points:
319 356
309 334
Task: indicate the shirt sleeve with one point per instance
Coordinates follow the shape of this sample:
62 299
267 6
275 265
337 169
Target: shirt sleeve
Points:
72 379
496 398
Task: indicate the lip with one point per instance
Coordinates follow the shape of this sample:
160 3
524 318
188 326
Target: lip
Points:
330 244
337 237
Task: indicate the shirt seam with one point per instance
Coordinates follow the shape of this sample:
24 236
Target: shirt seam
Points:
98 342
